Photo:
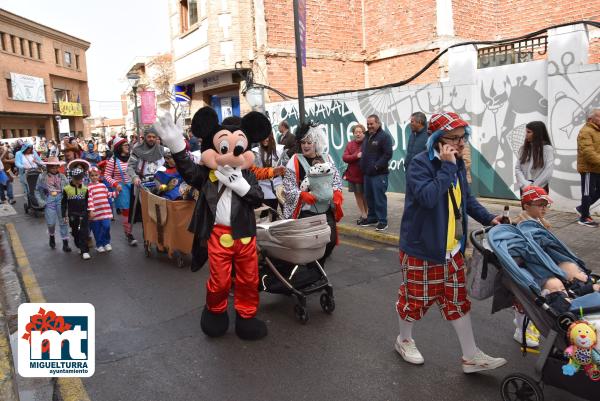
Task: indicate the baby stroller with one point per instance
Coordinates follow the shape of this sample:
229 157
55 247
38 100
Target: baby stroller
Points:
31 202
289 251
506 242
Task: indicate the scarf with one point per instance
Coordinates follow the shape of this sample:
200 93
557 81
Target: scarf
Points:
148 153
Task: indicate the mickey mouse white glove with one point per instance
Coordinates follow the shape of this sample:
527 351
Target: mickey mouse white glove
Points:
170 135
233 179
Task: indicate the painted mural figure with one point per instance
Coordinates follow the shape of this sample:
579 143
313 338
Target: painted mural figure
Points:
433 238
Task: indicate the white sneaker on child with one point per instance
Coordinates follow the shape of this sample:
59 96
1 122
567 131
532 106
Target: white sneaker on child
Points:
108 247
85 256
482 362
408 351
100 249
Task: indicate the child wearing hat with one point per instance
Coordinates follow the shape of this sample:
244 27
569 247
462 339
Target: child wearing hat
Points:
99 210
75 204
49 192
535 202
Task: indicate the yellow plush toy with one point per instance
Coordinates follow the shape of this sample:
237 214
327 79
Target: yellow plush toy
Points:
581 352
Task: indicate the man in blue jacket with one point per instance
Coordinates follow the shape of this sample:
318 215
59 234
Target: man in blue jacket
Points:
376 153
418 137
432 241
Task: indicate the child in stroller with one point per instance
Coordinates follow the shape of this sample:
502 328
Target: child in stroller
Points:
508 243
559 299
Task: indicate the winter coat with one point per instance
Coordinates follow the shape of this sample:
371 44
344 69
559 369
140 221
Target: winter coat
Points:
376 153
588 149
353 173
416 145
424 227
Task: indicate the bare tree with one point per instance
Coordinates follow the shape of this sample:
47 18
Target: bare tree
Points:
162 77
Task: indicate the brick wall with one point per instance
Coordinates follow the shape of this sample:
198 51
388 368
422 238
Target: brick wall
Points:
475 19
594 52
393 23
400 68
499 19
320 76
396 34
330 25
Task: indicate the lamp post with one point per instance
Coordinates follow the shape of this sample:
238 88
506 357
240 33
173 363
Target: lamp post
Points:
134 79
256 98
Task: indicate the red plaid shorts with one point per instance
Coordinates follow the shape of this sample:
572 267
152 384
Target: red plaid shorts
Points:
424 283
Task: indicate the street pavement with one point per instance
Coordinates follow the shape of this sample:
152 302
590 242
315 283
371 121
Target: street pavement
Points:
149 345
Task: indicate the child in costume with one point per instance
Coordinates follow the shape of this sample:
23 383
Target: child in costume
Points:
100 213
74 205
49 192
224 223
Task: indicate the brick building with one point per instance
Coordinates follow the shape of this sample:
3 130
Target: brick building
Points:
44 76
351 44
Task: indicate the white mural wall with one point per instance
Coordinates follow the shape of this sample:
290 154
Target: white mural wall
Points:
498 101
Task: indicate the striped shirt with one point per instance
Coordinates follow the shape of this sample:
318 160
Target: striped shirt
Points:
98 205
112 173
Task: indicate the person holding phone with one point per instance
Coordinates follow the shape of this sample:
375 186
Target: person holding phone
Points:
432 241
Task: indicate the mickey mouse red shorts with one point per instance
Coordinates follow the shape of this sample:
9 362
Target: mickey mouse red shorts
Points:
424 283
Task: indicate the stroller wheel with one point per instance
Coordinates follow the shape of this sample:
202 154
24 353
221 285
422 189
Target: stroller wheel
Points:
520 387
327 303
301 313
25 208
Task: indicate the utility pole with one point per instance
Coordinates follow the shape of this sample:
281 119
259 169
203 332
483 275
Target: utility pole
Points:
299 58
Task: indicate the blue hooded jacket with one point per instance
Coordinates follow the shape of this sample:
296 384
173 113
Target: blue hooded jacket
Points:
424 227
21 155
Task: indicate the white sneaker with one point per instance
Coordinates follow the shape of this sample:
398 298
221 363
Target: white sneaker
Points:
408 351
482 362
85 256
100 249
108 247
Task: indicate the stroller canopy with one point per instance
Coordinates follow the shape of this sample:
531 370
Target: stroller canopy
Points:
549 243
509 242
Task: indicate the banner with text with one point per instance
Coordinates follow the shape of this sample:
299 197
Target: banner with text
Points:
27 88
148 107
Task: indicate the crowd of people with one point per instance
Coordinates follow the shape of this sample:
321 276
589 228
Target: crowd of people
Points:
85 183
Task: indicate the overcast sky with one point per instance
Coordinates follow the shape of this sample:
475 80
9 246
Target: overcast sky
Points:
118 31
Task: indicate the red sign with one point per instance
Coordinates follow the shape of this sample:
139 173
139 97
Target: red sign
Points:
148 107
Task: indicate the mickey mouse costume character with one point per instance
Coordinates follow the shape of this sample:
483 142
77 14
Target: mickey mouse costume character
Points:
224 224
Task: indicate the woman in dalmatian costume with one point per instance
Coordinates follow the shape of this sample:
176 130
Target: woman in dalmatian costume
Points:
300 198
224 223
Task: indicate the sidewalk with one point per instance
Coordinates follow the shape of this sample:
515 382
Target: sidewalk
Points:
582 240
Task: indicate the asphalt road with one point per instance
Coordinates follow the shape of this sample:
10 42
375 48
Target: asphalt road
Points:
149 345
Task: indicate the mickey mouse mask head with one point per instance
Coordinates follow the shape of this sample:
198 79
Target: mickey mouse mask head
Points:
228 144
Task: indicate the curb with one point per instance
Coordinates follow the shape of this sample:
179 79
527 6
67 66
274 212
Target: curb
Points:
70 389
8 384
388 239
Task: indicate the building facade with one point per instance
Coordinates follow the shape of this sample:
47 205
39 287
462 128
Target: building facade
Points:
351 44
44 74
156 75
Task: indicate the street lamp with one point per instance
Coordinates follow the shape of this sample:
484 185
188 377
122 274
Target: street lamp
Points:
134 80
256 98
